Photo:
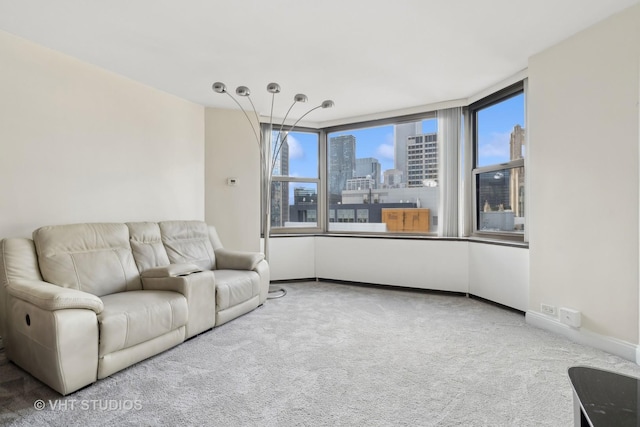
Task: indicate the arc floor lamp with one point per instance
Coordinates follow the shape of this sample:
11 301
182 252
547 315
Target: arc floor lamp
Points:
269 149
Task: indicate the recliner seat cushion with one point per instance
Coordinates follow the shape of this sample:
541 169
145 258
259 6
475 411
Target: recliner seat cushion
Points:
94 258
235 286
133 317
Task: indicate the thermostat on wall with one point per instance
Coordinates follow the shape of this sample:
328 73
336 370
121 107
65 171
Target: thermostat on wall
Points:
232 181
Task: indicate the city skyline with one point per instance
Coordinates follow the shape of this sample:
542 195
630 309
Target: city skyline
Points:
497 123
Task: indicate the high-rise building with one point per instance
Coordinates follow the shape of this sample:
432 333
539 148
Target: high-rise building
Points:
494 190
516 183
517 143
280 190
369 167
361 183
342 165
392 178
501 192
401 134
304 196
422 159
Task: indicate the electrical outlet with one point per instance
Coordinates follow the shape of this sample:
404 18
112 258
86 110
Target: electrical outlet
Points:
547 309
570 317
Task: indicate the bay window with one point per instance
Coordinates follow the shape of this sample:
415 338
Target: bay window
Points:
401 175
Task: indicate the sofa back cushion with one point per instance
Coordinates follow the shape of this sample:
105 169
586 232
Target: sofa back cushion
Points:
146 244
188 242
94 258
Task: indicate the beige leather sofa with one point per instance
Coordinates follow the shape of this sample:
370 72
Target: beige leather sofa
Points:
80 302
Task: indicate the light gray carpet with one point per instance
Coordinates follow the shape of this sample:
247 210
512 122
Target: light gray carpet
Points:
333 354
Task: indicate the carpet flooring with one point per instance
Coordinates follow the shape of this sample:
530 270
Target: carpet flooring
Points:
332 354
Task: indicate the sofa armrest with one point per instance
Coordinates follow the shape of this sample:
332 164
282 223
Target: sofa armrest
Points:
171 270
180 284
50 297
237 260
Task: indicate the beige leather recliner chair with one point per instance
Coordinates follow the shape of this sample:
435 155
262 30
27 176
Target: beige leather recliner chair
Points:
84 315
242 278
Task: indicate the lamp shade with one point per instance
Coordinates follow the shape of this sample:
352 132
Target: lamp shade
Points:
243 91
273 88
219 87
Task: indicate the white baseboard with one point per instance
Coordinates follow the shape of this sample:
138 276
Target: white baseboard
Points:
611 345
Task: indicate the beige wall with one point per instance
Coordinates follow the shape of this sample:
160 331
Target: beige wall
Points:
232 152
80 144
583 123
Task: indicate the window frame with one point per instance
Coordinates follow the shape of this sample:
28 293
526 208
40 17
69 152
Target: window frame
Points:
318 228
495 98
397 120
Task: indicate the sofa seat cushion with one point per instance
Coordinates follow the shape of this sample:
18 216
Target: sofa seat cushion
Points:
133 317
235 286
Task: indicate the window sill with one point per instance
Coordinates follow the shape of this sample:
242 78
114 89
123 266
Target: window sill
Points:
497 241
473 239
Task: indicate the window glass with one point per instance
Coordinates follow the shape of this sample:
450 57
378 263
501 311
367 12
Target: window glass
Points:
499 176
363 215
294 204
501 200
345 215
496 127
375 169
296 154
295 179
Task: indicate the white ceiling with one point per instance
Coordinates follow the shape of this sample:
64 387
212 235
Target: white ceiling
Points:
369 56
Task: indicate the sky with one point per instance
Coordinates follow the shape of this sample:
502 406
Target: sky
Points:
495 124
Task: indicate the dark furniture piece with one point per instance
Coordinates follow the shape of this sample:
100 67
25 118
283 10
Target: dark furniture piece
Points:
604 398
